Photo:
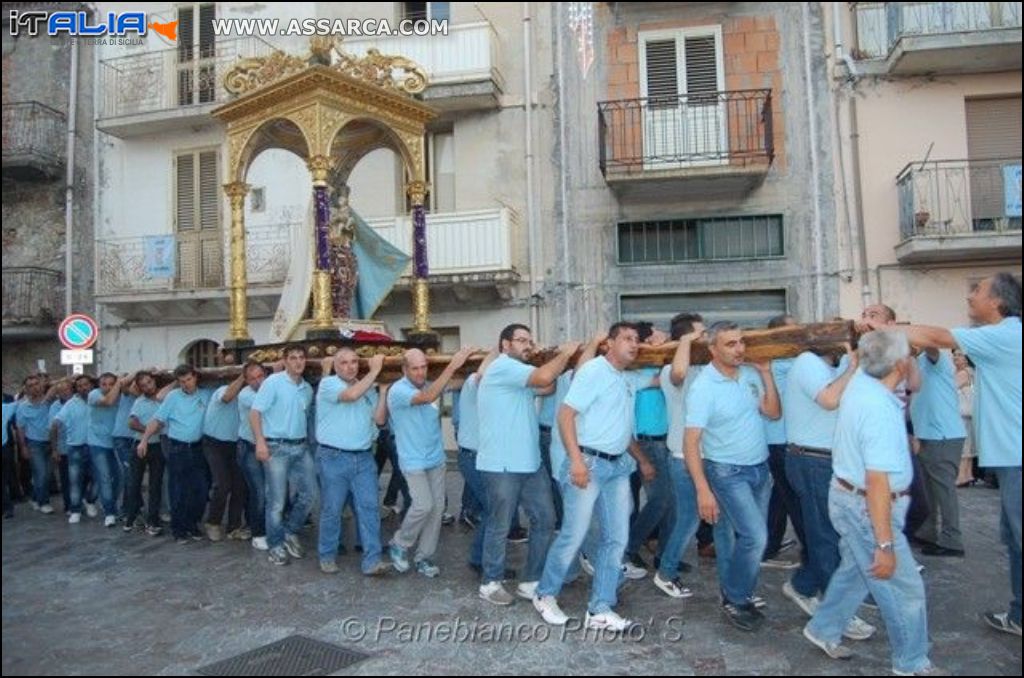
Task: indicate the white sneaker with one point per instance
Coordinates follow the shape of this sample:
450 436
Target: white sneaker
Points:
549 610
858 629
46 508
672 589
607 620
91 510
34 504
260 543
75 518
494 592
527 589
809 604
587 566
631 571
833 650
110 521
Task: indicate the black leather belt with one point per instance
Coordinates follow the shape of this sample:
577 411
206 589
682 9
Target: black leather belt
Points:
810 451
341 449
286 441
644 436
600 455
544 427
850 487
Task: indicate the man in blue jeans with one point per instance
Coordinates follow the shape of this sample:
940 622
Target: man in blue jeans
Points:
868 502
347 409
993 343
279 420
596 426
509 458
723 421
32 418
252 469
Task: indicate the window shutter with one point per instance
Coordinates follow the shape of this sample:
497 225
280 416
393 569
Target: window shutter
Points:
662 73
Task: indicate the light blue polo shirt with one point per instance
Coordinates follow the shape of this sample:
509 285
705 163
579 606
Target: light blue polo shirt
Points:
284 406
675 403
604 399
935 408
124 409
808 423
728 410
221 418
245 398
62 444
871 435
507 415
8 413
558 453
347 426
34 419
775 429
143 409
74 421
101 421
469 423
996 353
183 414
650 413
548 411
417 428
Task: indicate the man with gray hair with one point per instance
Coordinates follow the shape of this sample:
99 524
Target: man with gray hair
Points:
993 343
727 456
868 503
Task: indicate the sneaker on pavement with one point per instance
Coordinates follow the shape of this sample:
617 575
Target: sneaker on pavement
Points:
609 620
399 558
786 545
743 617
930 670
447 519
110 521
46 508
549 610
427 568
34 504
494 592
631 571
809 604
585 563
758 602
779 564
278 555
517 535
293 546
858 629
260 543
214 532
672 588
240 534
127 527
833 650
636 560
381 567
1001 621
91 510
527 589
328 567
154 530
75 518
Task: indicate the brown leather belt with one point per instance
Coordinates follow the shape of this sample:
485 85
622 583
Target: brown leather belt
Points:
850 487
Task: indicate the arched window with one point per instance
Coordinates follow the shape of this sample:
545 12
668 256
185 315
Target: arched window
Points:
201 353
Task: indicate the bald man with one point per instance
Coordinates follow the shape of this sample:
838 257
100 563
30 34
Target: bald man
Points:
412 403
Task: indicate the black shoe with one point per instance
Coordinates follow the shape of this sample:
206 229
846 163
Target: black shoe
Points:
921 543
510 574
517 535
743 617
936 550
636 560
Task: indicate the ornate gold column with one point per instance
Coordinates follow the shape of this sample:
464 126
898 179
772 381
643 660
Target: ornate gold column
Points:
238 332
417 191
323 318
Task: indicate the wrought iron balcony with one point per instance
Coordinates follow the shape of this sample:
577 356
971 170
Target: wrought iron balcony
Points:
959 210
32 298
939 37
688 140
34 139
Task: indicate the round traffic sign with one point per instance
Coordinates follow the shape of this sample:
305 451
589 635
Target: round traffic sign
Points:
78 331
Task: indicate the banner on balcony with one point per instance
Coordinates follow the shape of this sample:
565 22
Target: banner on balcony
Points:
159 256
1011 189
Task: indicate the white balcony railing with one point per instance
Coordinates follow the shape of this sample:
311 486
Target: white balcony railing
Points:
459 242
468 53
880 25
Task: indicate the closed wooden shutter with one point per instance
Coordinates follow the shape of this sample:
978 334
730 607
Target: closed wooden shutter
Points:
662 73
197 220
993 132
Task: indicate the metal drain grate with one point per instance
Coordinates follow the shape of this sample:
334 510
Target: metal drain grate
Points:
291 656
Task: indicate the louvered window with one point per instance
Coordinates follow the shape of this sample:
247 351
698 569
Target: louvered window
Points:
197 76
197 220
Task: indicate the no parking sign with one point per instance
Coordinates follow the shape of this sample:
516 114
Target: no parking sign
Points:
78 331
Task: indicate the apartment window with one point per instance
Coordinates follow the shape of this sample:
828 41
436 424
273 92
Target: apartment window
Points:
710 239
197 219
197 76
440 167
751 308
201 353
993 143
426 11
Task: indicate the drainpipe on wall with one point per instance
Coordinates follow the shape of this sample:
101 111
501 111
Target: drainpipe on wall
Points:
858 206
812 129
531 218
69 188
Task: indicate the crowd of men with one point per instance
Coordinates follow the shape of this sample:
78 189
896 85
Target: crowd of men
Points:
859 454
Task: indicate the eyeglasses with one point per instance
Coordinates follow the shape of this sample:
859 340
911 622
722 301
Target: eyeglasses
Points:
523 340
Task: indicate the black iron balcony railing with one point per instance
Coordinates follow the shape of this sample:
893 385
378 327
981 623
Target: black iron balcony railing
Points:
33 137
690 130
32 296
949 197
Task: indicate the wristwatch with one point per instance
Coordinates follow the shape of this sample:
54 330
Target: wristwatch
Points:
884 547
